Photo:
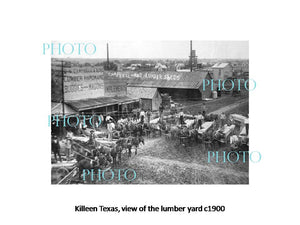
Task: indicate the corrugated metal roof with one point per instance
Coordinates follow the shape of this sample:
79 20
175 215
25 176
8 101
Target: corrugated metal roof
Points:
87 104
192 80
141 92
166 84
220 65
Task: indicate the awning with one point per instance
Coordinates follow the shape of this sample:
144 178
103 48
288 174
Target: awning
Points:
57 109
87 104
127 100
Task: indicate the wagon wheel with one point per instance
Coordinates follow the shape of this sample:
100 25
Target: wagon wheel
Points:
61 172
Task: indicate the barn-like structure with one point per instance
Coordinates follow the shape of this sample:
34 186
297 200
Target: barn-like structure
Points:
179 85
150 98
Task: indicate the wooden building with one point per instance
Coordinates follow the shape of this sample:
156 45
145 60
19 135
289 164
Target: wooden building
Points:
183 85
92 92
150 98
221 71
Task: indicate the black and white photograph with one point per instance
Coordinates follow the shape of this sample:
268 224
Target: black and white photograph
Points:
149 112
180 116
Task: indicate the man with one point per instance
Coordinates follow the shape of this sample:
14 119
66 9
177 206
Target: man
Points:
219 92
102 161
108 119
125 110
113 154
222 118
92 137
110 126
68 147
199 119
148 115
204 109
142 116
56 148
69 135
161 110
80 131
181 116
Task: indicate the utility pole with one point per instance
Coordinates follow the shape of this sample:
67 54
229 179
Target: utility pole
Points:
62 87
107 60
191 57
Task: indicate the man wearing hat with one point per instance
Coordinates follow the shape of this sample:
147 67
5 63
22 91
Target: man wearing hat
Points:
56 148
92 137
110 126
108 119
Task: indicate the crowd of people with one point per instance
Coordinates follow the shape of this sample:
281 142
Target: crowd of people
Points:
144 122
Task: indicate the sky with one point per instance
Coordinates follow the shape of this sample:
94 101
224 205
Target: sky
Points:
172 49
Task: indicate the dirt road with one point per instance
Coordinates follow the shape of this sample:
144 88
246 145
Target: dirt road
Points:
162 161
167 162
231 106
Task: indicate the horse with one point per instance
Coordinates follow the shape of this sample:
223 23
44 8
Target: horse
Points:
136 141
174 130
124 143
193 135
155 128
147 129
86 164
116 153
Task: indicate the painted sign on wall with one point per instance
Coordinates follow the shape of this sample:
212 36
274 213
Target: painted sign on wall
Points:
83 86
92 85
147 75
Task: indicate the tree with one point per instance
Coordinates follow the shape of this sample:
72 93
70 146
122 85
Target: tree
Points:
110 66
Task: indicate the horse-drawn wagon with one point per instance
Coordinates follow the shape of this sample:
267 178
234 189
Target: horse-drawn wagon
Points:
63 173
222 135
85 154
